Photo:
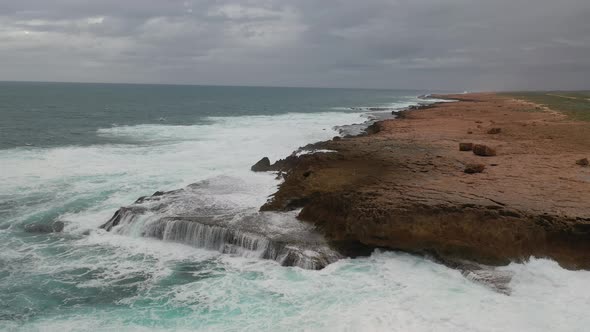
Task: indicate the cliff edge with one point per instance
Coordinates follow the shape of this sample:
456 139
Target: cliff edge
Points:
487 178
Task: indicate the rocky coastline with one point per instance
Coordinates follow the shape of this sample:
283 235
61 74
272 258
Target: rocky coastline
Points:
488 179
475 183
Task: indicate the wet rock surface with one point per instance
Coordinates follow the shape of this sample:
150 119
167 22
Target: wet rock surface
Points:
186 216
263 165
54 227
489 276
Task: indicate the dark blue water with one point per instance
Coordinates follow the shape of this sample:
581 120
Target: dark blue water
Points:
54 114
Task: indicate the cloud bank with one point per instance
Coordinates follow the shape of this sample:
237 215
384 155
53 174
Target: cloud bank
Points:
432 44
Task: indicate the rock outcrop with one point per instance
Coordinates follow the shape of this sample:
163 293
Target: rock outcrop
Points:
186 216
54 227
263 165
399 188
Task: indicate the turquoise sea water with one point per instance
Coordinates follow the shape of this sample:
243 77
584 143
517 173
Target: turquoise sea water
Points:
76 152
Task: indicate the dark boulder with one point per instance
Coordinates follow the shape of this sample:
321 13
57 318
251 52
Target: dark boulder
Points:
483 150
583 162
401 114
54 227
373 129
263 165
474 168
465 146
494 131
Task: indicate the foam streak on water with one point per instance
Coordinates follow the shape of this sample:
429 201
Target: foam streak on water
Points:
156 273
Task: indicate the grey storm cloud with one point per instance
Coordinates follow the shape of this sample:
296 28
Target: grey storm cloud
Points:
427 44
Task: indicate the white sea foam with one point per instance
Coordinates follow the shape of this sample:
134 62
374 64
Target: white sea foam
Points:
385 292
167 157
304 152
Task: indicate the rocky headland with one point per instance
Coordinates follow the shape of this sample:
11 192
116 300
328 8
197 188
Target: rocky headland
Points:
488 178
474 183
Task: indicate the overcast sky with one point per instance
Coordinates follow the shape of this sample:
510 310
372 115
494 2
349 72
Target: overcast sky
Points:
426 44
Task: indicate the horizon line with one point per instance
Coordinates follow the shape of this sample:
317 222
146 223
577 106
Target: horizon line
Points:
225 85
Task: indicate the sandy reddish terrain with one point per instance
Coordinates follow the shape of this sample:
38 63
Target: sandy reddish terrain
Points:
404 187
535 168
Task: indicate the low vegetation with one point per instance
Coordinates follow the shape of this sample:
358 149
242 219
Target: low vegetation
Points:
576 104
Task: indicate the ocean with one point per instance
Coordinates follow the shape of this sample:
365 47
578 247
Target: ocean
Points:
75 153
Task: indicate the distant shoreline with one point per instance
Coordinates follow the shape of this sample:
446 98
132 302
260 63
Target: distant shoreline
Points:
217 85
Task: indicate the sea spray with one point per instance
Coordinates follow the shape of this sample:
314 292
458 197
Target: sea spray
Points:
183 216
